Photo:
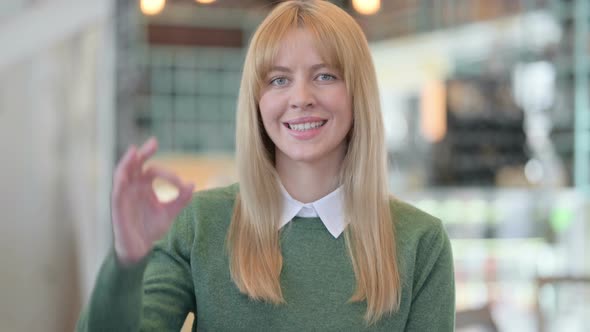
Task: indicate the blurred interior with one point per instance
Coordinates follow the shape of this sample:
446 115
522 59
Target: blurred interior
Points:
486 106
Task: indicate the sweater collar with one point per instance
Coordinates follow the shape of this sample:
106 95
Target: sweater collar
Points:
330 210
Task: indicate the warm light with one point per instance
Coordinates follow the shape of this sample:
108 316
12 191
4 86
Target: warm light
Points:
152 7
206 1
366 7
433 113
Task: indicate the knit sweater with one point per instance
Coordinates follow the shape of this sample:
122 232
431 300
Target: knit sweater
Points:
188 271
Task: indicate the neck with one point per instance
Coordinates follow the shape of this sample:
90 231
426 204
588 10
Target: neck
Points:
307 182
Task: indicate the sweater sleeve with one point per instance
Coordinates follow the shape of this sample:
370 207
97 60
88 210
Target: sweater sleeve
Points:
155 294
433 296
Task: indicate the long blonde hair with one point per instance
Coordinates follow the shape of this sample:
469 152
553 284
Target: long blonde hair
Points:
253 237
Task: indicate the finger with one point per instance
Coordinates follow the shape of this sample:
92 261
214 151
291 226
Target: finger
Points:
131 168
147 150
122 170
153 172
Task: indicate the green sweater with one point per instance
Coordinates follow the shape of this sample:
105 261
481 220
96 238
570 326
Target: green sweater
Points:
188 271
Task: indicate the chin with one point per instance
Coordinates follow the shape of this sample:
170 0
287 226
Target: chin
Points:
303 156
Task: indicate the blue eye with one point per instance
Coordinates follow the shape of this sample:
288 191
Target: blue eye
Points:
279 81
326 77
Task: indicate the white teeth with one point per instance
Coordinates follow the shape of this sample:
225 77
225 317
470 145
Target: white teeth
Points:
306 126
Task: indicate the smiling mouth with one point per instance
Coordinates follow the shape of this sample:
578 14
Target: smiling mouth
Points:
305 126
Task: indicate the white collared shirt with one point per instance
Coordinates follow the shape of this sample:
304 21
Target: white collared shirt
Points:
330 210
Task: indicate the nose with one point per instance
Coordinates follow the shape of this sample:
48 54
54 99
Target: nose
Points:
302 96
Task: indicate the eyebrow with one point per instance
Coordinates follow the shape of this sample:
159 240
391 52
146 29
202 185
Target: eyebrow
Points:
287 70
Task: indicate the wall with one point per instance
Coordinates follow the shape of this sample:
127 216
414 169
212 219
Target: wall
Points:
56 147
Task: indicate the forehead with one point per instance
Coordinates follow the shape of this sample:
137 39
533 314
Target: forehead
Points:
299 46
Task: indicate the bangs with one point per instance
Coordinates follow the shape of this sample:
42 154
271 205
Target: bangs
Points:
272 32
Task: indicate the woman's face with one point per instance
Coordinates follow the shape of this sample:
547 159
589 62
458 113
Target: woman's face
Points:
304 104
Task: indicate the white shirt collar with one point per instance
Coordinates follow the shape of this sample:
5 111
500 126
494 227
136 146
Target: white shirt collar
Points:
330 209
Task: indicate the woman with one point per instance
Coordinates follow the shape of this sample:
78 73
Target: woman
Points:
310 238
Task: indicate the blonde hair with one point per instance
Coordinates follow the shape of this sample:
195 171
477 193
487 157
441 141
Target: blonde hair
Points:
253 237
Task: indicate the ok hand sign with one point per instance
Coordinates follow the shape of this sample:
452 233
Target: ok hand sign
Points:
139 217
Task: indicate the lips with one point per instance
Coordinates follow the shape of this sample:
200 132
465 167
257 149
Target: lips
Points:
306 125
304 120
305 128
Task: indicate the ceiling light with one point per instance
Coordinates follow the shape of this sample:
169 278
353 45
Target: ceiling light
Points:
366 7
152 7
205 1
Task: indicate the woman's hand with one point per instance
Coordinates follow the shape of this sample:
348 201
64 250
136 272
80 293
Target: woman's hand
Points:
139 218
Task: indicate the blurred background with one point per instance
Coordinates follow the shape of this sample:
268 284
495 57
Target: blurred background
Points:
486 106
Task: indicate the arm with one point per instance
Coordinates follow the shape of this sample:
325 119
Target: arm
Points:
154 294
433 298
145 282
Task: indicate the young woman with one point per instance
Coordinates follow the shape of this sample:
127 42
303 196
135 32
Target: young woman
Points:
309 239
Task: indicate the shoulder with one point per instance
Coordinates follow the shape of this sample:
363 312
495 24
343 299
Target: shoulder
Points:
411 222
214 198
209 211
421 238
